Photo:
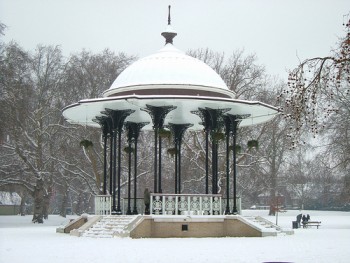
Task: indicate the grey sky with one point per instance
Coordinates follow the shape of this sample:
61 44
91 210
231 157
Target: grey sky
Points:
276 30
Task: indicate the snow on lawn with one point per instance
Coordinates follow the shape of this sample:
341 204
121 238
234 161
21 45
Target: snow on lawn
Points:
21 241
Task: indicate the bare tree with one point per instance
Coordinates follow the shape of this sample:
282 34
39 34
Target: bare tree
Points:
243 75
88 75
214 59
314 88
240 72
299 175
30 88
39 151
316 101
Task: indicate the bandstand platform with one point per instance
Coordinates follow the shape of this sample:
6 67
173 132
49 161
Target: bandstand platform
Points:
175 216
176 226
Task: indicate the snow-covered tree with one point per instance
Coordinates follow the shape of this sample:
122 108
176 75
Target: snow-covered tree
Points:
40 152
29 89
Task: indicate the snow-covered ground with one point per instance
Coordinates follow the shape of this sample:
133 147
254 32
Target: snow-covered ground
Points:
21 241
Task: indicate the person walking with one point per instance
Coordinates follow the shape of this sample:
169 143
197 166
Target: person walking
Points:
299 219
146 199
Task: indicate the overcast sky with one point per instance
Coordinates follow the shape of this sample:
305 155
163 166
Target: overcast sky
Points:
275 30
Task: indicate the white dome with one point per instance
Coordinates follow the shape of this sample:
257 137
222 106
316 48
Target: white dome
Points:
169 71
168 78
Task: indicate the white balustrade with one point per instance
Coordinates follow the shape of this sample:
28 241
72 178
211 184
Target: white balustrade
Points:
172 204
103 204
182 204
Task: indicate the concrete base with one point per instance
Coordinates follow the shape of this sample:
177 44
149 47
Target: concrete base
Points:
197 226
73 224
90 222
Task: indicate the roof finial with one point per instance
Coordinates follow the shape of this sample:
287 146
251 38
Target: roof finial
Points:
169 19
169 33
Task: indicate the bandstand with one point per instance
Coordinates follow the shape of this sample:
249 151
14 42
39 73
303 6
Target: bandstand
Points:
168 91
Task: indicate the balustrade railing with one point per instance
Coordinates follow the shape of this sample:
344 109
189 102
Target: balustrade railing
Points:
103 204
171 204
183 204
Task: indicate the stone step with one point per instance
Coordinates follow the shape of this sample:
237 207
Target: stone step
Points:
267 224
110 226
99 236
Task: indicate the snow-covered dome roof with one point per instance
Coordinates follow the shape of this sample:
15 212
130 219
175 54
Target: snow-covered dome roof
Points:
169 72
168 78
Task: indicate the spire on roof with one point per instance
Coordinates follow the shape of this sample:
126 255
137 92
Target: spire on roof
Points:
169 19
169 33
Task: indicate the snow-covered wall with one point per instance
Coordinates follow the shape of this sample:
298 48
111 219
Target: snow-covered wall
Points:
7 198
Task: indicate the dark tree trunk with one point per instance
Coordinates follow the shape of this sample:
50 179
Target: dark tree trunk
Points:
63 210
46 205
273 203
39 202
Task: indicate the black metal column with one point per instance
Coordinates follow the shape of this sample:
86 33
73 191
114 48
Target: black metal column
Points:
128 211
160 166
114 207
216 124
134 129
118 117
155 182
176 170
234 123
213 167
234 134
104 191
207 123
111 158
134 211
178 131
158 114
179 168
207 161
106 129
212 122
227 136
119 211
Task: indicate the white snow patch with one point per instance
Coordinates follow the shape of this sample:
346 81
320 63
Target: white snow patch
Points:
7 198
23 241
